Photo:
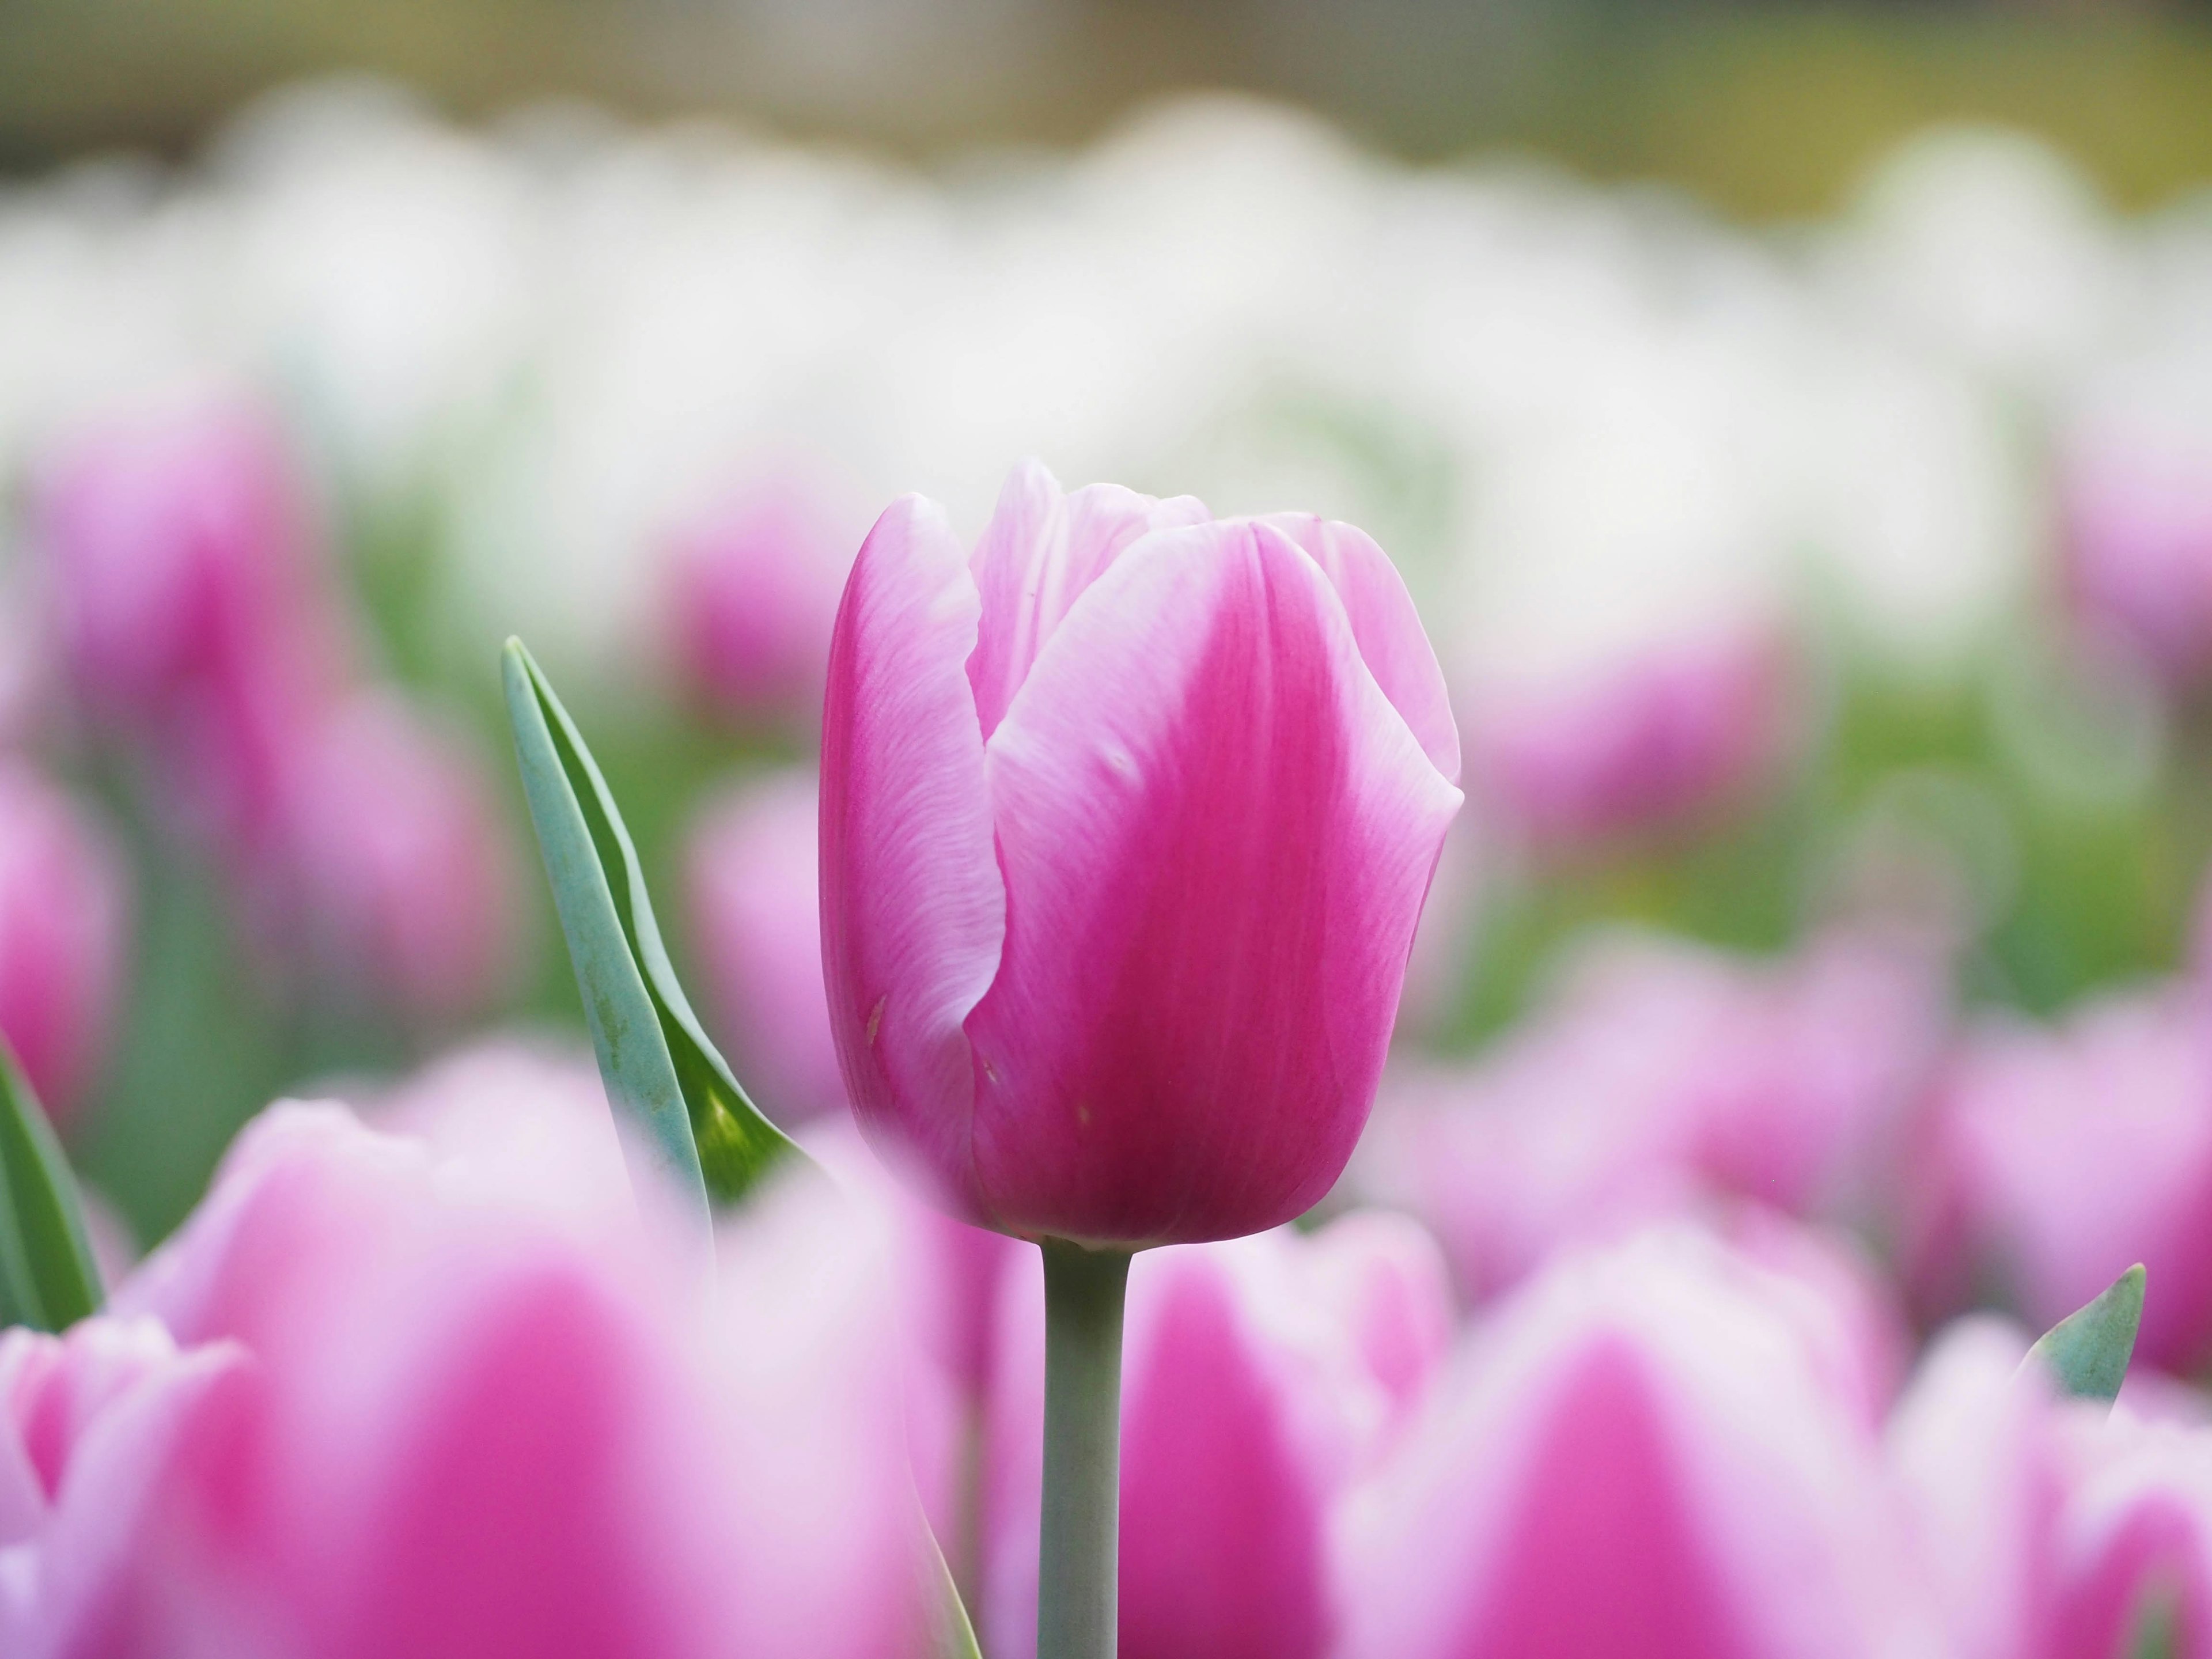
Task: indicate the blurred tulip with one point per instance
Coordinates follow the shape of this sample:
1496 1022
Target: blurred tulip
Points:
756 912
406 884
2134 1548
752 590
1637 1455
2052 1159
1677 733
473 1420
62 937
1125 829
177 549
1659 1074
2136 503
1260 1379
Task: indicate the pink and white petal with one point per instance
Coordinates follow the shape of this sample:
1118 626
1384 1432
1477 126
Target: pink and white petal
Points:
1392 642
1216 836
1041 550
912 911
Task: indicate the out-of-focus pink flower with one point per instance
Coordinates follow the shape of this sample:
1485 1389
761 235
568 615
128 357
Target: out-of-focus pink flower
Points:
2136 506
396 879
1638 1453
1659 1074
2134 1543
752 587
1126 824
2052 1159
191 610
1667 736
755 914
1971 1455
469 1421
62 936
1260 1379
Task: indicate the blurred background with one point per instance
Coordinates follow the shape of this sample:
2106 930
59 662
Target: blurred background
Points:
1794 423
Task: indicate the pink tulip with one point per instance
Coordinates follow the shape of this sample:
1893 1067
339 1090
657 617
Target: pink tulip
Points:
755 911
1261 1378
395 881
2137 504
186 596
752 593
2134 1541
62 936
1659 1074
1126 824
1639 1453
1672 735
2054 1158
467 1420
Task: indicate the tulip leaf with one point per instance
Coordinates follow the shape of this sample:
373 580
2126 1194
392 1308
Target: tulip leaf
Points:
657 1065
2087 1353
953 1637
48 1280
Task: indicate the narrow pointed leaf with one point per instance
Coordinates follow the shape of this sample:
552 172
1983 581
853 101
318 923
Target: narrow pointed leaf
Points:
2087 1351
656 1059
48 1280
952 1633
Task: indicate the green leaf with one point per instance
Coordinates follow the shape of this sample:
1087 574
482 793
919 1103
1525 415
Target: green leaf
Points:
47 1276
659 1067
2087 1351
953 1636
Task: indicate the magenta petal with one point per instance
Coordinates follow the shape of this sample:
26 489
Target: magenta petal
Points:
1042 548
1216 835
1392 642
913 913
1221 1510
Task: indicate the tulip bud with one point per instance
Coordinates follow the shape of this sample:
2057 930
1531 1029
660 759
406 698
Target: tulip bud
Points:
1126 824
2137 495
1658 1074
752 595
757 914
2053 1159
62 937
1637 1455
1260 1379
177 549
460 1418
1676 732
402 878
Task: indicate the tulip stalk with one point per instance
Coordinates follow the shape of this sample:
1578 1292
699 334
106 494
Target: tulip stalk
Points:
1078 1545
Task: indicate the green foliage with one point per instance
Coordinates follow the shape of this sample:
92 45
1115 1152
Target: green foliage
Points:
2087 1351
659 1068
47 1276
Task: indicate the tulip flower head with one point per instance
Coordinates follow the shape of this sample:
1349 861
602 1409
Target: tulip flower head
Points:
1127 821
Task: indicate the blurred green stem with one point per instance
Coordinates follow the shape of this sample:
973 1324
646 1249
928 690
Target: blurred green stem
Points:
1078 1544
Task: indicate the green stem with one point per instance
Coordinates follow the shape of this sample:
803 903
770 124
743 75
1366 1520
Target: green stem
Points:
1079 1547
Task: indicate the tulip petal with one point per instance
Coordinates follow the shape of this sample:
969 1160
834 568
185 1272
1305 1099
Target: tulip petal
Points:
1041 550
913 909
1392 642
1216 837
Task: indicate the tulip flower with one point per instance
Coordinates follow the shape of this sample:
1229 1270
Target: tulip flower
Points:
177 549
2053 1158
752 590
1262 1378
1658 1074
1670 734
379 1398
2133 1549
396 879
756 912
1638 1453
62 936
1125 823
2138 513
